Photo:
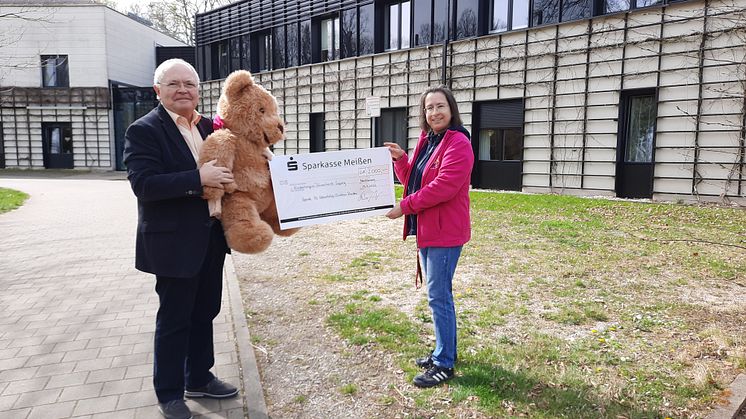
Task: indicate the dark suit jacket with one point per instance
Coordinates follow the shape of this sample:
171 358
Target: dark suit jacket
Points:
173 226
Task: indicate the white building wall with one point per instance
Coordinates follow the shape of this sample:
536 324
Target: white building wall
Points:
70 30
130 49
571 77
101 45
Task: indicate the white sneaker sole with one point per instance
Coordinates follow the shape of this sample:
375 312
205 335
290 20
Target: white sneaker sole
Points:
198 394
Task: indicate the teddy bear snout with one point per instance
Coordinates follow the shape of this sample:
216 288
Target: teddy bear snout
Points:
281 128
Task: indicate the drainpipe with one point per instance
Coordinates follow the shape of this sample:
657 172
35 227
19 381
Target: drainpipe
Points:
445 42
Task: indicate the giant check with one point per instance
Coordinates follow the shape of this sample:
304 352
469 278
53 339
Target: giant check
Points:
320 188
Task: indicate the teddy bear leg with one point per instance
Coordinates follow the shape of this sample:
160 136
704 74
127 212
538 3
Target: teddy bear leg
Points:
244 231
269 215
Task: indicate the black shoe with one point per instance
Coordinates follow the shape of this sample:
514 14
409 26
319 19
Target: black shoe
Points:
175 409
215 389
425 362
433 376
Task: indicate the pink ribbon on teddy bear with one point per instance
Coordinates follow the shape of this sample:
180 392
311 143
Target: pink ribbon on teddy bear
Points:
217 123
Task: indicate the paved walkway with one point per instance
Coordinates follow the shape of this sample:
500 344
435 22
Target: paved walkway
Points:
76 318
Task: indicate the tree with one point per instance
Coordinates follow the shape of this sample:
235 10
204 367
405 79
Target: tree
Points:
175 17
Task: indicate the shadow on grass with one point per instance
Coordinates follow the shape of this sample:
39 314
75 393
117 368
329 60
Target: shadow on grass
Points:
502 393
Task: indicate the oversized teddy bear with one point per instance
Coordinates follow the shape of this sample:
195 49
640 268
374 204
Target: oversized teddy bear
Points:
251 123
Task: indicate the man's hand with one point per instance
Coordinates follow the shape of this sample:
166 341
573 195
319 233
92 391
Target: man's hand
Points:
395 150
395 212
215 176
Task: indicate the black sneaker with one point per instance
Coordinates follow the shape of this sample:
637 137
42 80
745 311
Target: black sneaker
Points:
425 362
433 376
215 389
175 409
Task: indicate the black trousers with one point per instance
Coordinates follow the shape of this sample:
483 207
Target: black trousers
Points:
184 350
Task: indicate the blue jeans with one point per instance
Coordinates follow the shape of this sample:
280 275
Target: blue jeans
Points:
438 265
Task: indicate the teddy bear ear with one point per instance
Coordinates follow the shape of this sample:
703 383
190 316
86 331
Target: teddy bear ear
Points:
237 81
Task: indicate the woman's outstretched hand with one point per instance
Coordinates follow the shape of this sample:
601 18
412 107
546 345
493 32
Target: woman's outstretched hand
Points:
395 150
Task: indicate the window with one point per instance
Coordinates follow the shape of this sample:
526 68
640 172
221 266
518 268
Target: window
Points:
520 14
330 39
499 16
245 52
263 51
278 47
349 33
220 62
466 18
422 28
54 71
293 45
305 42
440 11
640 127
508 15
367 45
575 9
611 6
396 18
235 51
545 11
503 144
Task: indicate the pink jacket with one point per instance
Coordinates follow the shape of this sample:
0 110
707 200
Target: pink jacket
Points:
442 203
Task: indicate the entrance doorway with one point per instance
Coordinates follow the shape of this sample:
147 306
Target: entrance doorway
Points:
391 126
636 144
130 104
498 141
57 142
318 136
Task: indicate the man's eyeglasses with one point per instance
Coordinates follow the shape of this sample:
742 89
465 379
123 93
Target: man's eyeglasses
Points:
189 85
436 108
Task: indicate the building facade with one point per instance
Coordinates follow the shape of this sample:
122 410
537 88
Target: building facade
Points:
64 69
628 98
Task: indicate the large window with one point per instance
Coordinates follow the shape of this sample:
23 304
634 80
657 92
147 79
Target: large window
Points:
220 60
54 71
611 6
640 127
366 14
575 9
306 55
235 52
545 11
422 22
293 45
262 51
330 39
278 47
466 18
349 33
440 11
396 20
507 15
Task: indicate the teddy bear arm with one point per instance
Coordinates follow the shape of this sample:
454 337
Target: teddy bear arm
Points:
211 193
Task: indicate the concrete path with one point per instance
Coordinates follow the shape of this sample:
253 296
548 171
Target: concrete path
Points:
77 319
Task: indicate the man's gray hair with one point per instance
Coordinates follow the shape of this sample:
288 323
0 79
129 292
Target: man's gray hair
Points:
166 65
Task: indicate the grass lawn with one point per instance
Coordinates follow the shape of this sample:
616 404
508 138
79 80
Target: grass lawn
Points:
577 308
11 199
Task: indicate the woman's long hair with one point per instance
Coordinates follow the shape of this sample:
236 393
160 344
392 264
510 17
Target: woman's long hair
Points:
455 115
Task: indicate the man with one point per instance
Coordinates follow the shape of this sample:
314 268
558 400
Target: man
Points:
177 240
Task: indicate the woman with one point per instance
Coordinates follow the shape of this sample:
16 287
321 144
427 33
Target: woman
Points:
436 205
